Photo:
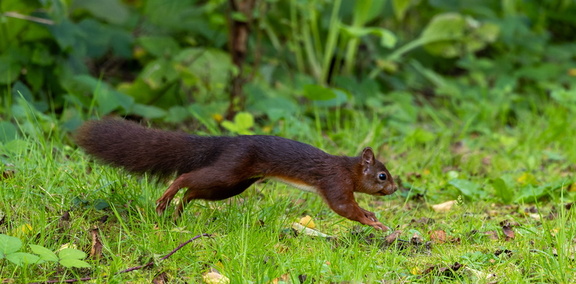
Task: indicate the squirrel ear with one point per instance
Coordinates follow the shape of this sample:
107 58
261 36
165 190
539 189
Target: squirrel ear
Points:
368 156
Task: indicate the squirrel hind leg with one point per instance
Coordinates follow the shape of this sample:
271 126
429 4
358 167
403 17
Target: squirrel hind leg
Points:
200 188
218 192
163 202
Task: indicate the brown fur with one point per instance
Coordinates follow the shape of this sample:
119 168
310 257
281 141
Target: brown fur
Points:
219 167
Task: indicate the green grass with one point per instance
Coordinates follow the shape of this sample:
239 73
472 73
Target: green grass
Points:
45 179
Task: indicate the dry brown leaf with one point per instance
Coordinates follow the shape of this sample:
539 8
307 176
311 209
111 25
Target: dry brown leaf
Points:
508 232
160 278
443 270
393 237
416 239
493 235
96 248
438 236
282 279
7 174
444 207
423 220
487 160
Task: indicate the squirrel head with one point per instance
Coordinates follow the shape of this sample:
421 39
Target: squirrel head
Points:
375 178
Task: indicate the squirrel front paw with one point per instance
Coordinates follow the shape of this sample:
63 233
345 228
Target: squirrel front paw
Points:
380 226
161 206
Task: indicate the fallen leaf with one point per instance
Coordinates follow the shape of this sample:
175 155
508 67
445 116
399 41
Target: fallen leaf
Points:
423 220
506 252
438 236
416 239
215 278
65 216
309 232
393 237
534 216
282 279
493 235
527 179
7 174
307 221
531 209
477 274
459 148
444 207
96 248
24 229
444 270
507 229
487 160
160 278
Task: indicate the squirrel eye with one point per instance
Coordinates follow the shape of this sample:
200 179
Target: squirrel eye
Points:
382 176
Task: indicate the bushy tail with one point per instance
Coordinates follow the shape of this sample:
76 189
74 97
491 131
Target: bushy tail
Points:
140 149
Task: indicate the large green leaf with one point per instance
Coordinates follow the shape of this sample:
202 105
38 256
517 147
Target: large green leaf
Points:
387 38
318 93
112 11
71 253
8 132
147 111
159 45
469 189
8 245
453 34
44 253
23 258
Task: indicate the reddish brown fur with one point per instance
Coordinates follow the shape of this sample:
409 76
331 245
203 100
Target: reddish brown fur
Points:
215 168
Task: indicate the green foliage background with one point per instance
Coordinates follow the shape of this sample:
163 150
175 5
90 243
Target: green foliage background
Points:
482 61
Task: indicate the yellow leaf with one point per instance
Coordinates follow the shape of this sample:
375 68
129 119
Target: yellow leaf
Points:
572 187
526 178
444 207
218 117
267 129
215 278
24 229
138 52
308 222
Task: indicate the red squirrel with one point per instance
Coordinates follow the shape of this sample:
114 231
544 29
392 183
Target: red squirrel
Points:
219 167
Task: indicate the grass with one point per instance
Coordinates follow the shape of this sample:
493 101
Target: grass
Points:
45 179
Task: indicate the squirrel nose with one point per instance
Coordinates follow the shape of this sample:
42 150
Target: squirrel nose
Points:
394 187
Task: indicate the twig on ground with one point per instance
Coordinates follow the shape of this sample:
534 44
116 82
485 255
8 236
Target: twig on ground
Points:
128 269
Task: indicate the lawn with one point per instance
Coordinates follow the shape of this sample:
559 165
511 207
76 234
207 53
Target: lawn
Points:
512 189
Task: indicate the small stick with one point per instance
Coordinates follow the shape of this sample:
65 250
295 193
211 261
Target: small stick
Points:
131 268
17 15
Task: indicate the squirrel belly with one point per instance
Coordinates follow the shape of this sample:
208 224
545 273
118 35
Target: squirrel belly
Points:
219 167
296 183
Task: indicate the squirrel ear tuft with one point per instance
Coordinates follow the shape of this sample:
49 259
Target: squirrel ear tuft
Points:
368 156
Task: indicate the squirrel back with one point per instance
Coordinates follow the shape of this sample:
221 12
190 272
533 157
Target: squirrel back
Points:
163 153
